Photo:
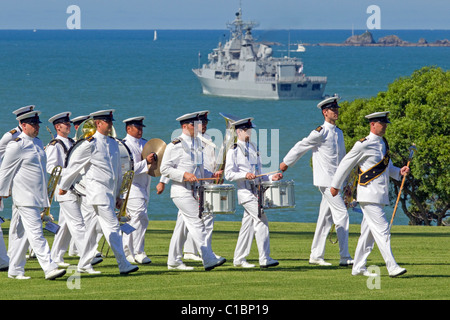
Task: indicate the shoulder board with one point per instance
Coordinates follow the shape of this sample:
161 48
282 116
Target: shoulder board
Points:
17 139
234 146
362 140
90 139
319 128
13 131
53 142
144 139
177 140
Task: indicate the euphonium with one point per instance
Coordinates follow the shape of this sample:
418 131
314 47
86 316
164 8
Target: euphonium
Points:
87 129
125 192
51 187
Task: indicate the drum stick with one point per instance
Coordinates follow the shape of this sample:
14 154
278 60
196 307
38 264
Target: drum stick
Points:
266 174
203 179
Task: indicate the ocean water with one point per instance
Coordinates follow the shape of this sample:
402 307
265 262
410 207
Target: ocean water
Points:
87 70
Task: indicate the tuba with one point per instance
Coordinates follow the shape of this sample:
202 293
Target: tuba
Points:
87 129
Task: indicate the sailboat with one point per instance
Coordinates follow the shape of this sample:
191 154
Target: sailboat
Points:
155 36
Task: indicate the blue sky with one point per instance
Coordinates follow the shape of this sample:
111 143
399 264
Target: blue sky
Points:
212 14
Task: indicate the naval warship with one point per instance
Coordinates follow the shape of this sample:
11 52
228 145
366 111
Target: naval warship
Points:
244 68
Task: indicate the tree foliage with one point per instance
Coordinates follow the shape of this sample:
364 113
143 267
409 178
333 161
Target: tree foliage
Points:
419 108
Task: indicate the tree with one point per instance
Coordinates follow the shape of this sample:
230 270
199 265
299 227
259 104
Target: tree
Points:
419 108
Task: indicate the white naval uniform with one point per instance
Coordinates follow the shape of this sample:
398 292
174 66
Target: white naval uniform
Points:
70 220
22 174
134 243
99 156
181 157
328 149
241 160
6 138
372 198
210 165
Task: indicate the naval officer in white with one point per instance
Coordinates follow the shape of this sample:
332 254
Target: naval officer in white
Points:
100 158
371 154
328 149
183 163
70 220
243 165
6 138
22 174
134 243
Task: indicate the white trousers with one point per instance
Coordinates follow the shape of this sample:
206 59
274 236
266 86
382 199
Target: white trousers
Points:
374 228
253 226
332 210
26 230
189 244
188 221
4 259
134 243
110 227
72 227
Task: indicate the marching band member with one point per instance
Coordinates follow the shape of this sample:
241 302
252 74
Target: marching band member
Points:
191 252
70 220
134 243
328 149
183 163
243 165
77 121
6 138
371 154
22 174
100 158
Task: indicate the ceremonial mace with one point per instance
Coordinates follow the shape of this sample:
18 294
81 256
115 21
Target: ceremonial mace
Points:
412 149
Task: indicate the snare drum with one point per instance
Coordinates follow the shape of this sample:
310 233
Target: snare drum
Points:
219 199
279 194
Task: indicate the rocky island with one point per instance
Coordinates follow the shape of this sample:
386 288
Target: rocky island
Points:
366 40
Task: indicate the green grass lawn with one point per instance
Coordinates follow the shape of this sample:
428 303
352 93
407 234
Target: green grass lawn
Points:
423 251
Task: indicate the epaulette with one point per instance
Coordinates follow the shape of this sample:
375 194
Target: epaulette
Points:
234 146
53 142
90 139
143 139
177 140
362 140
13 131
17 139
319 128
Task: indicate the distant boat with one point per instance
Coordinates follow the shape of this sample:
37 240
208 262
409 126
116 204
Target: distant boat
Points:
155 36
300 48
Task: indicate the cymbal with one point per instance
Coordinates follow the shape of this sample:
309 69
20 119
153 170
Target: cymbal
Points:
156 146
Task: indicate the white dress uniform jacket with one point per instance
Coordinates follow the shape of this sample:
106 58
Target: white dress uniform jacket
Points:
180 157
367 153
241 160
29 184
100 157
56 156
328 149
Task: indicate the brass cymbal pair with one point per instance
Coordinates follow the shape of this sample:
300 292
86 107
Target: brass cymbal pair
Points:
156 146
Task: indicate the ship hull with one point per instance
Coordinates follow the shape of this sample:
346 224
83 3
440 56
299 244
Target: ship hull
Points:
269 90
